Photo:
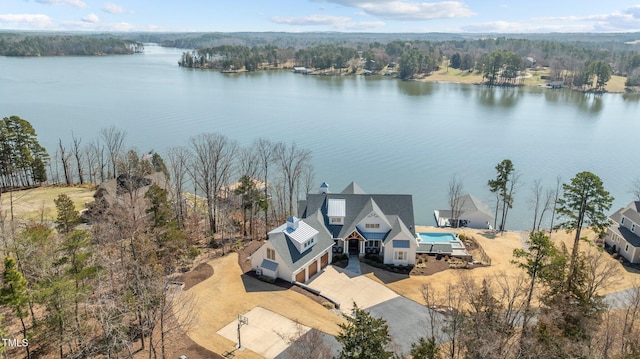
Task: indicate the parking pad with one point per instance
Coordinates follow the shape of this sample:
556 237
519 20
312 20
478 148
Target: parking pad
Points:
345 288
261 333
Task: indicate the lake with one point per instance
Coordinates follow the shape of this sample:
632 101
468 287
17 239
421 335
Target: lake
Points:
387 135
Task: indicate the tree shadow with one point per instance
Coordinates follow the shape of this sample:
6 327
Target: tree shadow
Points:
383 275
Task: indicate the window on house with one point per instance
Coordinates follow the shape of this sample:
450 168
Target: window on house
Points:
633 227
401 255
372 244
372 225
271 254
336 220
622 220
626 248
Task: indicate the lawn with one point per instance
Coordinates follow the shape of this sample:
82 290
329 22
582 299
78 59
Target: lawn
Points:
37 204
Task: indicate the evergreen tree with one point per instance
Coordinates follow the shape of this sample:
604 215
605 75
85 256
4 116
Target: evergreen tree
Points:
584 203
68 217
364 337
13 293
425 349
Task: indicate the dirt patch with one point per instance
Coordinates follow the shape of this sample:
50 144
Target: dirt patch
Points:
429 264
243 255
196 275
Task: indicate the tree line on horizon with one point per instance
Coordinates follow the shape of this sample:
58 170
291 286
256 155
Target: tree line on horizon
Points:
576 63
61 45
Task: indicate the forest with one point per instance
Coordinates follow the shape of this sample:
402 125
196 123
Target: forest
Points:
107 288
573 62
12 44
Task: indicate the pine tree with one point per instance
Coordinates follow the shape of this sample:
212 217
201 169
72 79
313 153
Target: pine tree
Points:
364 337
13 293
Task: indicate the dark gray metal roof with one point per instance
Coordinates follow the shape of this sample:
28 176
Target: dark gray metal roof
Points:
425 247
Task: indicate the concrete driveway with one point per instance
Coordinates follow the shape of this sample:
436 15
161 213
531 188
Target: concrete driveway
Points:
261 333
408 320
346 288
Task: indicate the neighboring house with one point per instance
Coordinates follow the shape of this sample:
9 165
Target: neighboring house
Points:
623 235
350 221
474 213
529 62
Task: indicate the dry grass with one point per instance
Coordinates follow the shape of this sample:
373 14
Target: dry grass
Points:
37 204
453 75
500 248
616 84
228 293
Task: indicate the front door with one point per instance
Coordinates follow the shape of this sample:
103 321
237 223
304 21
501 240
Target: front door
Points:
353 246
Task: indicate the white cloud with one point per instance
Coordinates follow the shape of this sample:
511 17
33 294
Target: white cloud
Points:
91 18
311 20
336 22
101 26
112 8
30 20
619 21
75 3
404 10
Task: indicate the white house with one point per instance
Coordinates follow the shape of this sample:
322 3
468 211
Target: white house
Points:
362 223
350 221
474 213
295 251
623 235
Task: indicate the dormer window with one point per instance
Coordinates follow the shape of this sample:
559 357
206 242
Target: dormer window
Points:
336 210
622 220
372 225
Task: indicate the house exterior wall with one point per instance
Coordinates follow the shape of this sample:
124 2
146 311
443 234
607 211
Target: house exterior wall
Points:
373 219
390 252
477 220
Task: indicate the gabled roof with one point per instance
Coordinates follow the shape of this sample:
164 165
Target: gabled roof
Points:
353 188
472 203
632 214
397 228
359 205
369 207
287 251
628 236
468 203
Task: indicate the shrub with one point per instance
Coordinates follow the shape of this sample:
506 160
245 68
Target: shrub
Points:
329 305
267 279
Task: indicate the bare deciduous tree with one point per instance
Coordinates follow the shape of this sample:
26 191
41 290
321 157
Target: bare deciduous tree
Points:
64 158
304 344
76 149
455 200
178 163
265 151
292 161
213 159
114 141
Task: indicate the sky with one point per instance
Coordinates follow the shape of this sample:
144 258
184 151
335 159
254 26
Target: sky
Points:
383 16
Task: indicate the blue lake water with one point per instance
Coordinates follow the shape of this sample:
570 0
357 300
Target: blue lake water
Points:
387 135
